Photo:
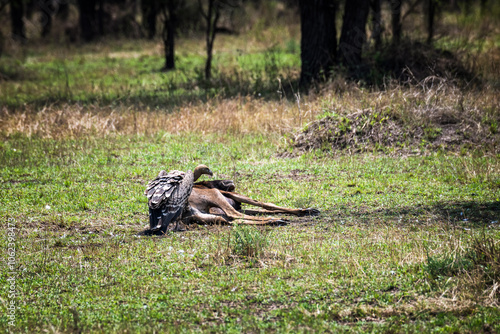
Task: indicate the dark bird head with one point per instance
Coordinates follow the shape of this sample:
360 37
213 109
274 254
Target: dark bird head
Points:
200 170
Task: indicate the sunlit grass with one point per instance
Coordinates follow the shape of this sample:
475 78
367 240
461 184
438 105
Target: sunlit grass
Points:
386 251
404 243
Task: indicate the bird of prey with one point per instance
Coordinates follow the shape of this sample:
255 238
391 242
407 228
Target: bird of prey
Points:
168 196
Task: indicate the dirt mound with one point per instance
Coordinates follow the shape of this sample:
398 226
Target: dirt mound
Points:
388 131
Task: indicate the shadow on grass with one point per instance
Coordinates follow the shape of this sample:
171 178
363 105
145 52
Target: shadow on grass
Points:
466 212
268 77
413 62
199 91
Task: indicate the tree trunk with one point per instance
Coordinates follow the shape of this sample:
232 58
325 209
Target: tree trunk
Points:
212 18
318 43
170 13
1 43
483 7
208 65
169 44
467 7
63 11
87 19
30 7
47 9
149 14
396 21
376 23
429 10
16 16
353 34
100 18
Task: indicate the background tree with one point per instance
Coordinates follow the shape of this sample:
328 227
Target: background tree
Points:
62 10
353 35
376 23
100 17
3 4
149 14
483 7
211 16
169 10
47 9
396 21
318 42
87 19
16 16
429 13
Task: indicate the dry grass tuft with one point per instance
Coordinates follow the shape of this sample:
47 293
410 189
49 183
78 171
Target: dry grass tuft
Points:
435 114
485 254
237 116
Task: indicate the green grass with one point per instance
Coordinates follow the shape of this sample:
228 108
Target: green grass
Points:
406 242
133 76
380 257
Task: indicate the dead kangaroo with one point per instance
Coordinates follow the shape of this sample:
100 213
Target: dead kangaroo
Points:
215 202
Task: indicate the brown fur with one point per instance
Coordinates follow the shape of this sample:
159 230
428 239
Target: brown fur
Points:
214 202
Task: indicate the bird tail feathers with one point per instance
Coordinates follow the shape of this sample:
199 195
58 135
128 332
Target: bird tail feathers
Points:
160 219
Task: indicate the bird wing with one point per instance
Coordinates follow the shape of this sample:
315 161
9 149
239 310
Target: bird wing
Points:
179 197
167 197
159 190
169 190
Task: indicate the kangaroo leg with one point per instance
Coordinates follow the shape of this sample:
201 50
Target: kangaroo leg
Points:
200 217
206 200
254 212
206 218
269 206
229 211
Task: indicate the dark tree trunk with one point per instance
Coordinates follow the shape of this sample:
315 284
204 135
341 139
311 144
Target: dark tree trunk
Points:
208 66
47 9
467 6
483 7
149 14
430 11
1 43
376 23
87 19
454 6
318 43
100 18
212 18
396 21
169 43
30 7
46 22
63 10
16 16
170 14
353 34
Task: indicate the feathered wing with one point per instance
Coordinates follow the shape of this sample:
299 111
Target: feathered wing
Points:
167 197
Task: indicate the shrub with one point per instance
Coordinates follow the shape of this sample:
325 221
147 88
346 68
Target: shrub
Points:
485 253
446 265
248 241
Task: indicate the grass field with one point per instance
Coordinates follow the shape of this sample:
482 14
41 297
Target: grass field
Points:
407 240
395 247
